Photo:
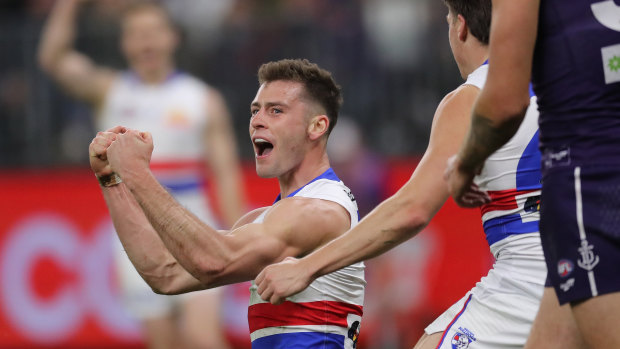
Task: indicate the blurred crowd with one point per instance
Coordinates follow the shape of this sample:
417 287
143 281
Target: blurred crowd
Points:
390 56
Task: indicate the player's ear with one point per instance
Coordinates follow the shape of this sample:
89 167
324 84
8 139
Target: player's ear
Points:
318 126
462 28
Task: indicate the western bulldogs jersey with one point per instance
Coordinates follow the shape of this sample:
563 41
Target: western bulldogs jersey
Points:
174 113
576 76
328 313
511 177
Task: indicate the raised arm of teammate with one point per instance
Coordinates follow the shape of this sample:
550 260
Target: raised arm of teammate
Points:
223 158
173 250
395 220
75 72
502 103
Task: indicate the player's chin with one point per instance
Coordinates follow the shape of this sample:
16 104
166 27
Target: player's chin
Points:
264 171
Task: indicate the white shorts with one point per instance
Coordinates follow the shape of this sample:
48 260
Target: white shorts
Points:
499 311
136 295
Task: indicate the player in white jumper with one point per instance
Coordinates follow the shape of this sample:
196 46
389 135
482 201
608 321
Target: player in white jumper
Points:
294 110
499 311
190 121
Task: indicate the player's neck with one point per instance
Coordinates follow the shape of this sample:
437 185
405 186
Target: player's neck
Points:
312 166
476 57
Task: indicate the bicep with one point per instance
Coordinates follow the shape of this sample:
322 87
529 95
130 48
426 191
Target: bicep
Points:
293 228
251 249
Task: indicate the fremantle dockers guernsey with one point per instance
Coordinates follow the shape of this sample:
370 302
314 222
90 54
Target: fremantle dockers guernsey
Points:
328 313
511 176
175 114
576 76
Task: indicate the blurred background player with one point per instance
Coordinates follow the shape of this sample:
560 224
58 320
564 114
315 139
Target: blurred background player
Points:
573 52
191 124
500 310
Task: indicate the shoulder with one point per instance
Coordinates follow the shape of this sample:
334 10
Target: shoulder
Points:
458 101
299 216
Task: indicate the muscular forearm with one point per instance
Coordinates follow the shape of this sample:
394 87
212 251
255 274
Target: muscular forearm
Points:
196 246
143 246
58 35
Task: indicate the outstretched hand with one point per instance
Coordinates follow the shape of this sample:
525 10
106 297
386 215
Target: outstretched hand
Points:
98 150
281 280
462 187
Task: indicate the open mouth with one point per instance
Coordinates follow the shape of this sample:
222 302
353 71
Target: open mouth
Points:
262 147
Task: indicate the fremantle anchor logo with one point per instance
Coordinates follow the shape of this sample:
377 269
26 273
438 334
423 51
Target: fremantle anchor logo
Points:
588 260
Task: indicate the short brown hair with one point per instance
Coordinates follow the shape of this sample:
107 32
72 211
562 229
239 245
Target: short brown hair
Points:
477 14
319 83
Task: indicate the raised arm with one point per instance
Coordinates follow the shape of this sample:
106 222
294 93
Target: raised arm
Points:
75 72
223 158
290 228
395 220
143 246
500 109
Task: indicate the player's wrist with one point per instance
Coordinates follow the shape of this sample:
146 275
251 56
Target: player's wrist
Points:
109 180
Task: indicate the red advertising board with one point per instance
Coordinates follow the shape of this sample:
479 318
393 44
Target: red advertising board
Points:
57 281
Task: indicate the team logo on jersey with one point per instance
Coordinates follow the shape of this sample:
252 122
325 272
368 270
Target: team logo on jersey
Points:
588 259
532 204
611 63
565 267
462 338
349 194
354 332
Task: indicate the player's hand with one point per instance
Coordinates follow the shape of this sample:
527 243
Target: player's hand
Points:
462 187
130 154
281 280
98 150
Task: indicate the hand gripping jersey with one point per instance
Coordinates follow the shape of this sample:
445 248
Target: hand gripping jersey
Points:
328 313
175 114
511 176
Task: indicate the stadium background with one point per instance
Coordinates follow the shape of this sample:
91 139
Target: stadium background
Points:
57 286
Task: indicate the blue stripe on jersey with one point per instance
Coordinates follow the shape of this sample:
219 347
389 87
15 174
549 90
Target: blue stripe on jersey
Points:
499 228
528 169
329 174
300 340
531 88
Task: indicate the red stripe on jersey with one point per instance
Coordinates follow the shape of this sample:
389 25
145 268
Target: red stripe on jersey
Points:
264 315
503 200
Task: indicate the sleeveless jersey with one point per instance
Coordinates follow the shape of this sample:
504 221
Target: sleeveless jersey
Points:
174 113
511 176
328 313
576 76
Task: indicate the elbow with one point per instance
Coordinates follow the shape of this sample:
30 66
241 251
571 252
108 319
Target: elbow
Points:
208 271
46 61
415 221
